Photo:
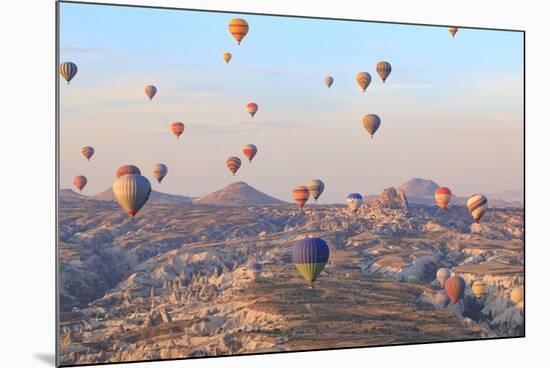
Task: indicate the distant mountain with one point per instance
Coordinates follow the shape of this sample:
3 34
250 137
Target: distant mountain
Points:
419 188
238 194
70 194
155 198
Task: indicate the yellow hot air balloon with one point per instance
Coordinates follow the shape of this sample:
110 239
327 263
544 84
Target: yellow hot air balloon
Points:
238 28
227 56
363 80
477 205
517 295
131 192
479 288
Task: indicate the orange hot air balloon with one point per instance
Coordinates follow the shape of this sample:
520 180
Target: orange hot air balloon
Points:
454 286
300 194
252 108
442 197
87 152
177 128
453 31
79 182
238 28
363 79
150 91
250 151
226 57
233 164
127 170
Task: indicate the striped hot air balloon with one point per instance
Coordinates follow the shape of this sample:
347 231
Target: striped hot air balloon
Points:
383 69
315 188
226 57
479 288
159 171
453 31
238 28
177 128
442 299
371 122
310 255
442 197
87 152
233 164
442 275
477 205
126 170
328 81
250 151
363 80
252 108
150 91
354 201
131 192
300 195
454 286
68 70
80 182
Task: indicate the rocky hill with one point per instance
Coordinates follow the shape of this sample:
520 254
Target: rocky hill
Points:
238 194
417 187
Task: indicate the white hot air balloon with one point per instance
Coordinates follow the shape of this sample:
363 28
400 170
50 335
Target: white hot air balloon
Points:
131 192
159 171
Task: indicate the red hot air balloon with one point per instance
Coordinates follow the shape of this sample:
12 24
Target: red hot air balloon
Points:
252 108
443 196
233 164
177 128
454 286
127 170
250 151
300 195
79 182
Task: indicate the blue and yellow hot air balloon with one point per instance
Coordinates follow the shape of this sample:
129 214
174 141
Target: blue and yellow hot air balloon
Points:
68 70
310 255
354 201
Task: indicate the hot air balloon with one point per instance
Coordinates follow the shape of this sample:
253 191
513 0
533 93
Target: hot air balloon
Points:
354 201
517 295
159 171
442 299
250 151
68 70
227 57
454 286
479 288
252 108
383 69
79 182
315 188
87 152
363 80
126 170
310 256
453 31
177 128
300 195
477 205
233 163
442 197
131 192
238 28
371 122
328 81
150 91
442 275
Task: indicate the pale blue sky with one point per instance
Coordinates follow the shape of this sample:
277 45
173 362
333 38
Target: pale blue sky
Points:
452 109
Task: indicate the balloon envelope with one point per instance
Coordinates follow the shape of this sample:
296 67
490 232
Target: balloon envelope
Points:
300 195
227 56
315 188
328 81
517 295
87 152
127 169
454 286
159 171
383 69
150 91
442 275
131 192
252 108
79 182
310 256
477 205
233 164
442 197
177 128
371 123
354 201
479 288
250 151
363 79
238 28
453 31
68 70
